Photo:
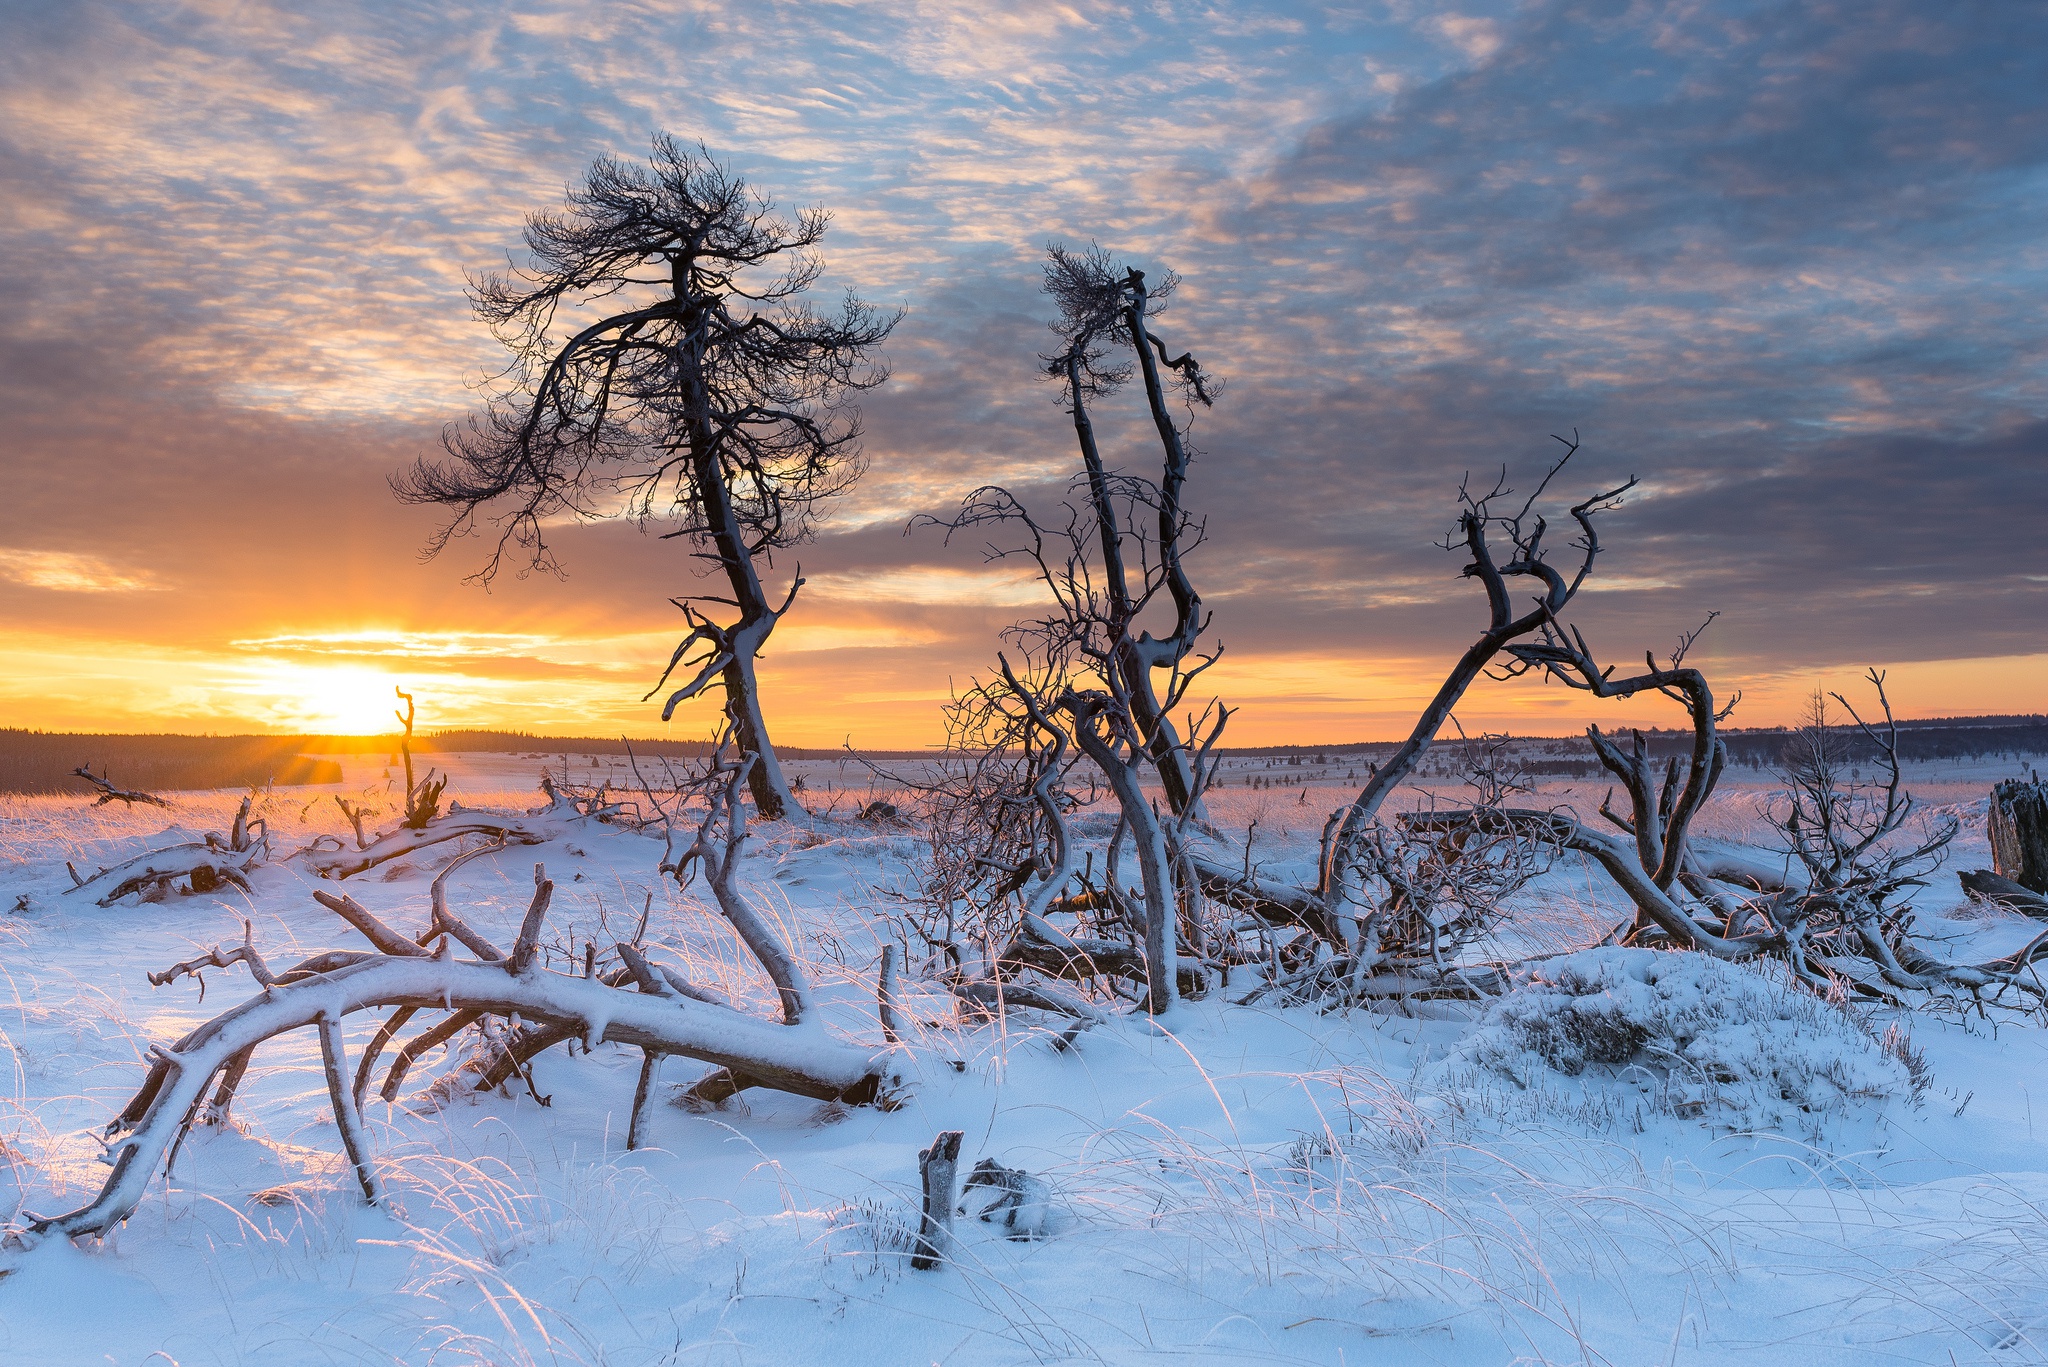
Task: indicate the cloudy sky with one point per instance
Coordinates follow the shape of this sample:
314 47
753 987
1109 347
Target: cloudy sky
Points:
1785 262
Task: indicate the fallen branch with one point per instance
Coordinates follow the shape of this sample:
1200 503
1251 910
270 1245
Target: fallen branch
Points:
204 866
109 793
552 822
552 1006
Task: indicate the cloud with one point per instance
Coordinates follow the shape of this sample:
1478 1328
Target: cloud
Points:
1778 259
71 573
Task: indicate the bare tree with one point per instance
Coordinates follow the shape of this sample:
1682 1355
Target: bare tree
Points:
1105 325
1854 847
1089 680
1504 542
719 404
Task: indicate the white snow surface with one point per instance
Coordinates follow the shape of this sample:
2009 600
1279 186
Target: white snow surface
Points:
1618 1035
1229 1185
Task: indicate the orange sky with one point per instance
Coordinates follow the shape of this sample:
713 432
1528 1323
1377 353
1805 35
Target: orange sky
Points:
235 252
824 693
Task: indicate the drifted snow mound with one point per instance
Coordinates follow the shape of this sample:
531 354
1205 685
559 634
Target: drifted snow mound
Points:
1611 1035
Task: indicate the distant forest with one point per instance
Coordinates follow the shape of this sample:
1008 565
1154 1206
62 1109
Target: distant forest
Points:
42 762
1936 738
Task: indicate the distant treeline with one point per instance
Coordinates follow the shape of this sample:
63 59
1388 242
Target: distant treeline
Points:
1946 738
42 762
1939 738
526 743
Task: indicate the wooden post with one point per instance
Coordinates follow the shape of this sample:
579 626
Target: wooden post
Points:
938 1166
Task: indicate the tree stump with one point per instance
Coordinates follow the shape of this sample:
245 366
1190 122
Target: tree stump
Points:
938 1166
2019 832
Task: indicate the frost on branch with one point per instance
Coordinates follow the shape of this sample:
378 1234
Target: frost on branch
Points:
630 1003
204 864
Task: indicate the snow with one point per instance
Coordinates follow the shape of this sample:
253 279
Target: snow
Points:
1614 1033
1234 1184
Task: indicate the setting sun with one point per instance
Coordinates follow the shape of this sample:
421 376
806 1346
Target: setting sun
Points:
342 700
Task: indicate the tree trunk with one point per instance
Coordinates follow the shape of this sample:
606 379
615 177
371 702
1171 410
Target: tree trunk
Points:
2019 832
765 783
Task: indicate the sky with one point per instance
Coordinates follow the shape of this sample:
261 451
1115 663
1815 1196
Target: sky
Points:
1782 262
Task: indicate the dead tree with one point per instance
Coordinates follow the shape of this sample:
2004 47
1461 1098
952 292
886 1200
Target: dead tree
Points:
422 798
1094 681
1105 325
1837 915
1350 906
1067 703
219 859
1662 805
635 1003
716 840
2018 822
109 793
718 404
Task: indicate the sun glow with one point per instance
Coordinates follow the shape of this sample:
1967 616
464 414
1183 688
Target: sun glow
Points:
341 700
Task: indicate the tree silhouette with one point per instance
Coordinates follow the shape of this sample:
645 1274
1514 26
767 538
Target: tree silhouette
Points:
719 404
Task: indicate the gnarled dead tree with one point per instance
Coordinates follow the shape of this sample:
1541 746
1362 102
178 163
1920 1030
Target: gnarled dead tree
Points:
1369 937
1094 682
1834 911
718 403
1105 326
205 865
422 796
635 1002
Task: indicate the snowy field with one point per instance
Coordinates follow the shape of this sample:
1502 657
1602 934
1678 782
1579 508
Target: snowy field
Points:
1234 1184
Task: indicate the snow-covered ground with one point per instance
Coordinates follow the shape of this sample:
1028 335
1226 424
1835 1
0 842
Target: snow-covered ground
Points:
1235 1184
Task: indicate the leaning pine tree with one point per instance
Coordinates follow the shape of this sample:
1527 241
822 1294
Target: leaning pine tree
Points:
717 405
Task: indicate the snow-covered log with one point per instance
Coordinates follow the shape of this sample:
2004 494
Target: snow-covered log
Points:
560 818
802 1060
659 1018
203 865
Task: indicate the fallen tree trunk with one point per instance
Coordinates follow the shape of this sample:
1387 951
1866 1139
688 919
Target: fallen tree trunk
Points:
552 822
794 1059
205 866
1986 886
